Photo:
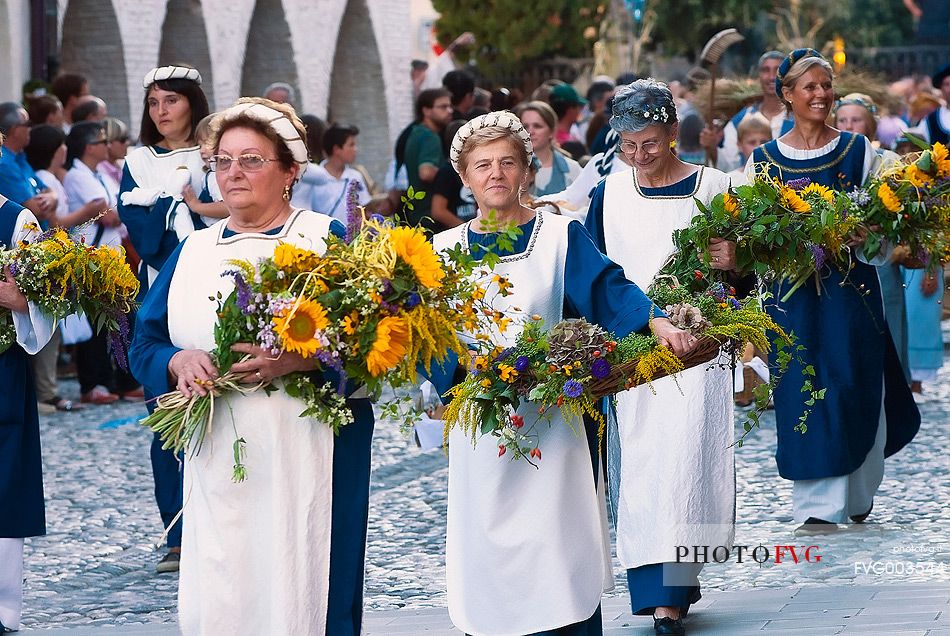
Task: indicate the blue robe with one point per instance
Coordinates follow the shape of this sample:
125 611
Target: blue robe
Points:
846 340
22 510
149 355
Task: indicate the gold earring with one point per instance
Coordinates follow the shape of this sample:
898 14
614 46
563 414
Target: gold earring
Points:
287 193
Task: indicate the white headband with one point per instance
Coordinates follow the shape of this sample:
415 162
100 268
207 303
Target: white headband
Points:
278 122
171 72
498 119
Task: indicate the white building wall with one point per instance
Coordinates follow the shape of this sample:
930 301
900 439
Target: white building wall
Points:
14 47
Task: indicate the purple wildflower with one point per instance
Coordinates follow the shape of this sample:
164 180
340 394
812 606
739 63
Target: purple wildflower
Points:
243 293
734 302
354 214
859 197
600 369
521 364
503 355
799 184
119 341
413 300
379 218
573 388
819 254
718 291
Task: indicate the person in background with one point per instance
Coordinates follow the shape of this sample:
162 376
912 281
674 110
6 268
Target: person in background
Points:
69 88
46 109
567 105
452 202
594 117
330 197
117 146
303 191
935 126
90 108
207 204
555 170
723 142
461 88
753 131
417 75
280 92
18 182
423 151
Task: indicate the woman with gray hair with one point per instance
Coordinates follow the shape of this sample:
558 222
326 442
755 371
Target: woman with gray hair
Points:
677 484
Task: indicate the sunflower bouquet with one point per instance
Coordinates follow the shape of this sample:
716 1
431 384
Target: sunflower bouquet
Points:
575 363
909 203
64 276
370 311
780 230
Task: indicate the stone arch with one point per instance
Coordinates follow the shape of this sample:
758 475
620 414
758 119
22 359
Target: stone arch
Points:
357 95
94 49
269 55
185 41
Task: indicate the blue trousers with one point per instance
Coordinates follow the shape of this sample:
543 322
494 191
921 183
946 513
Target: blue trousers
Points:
169 477
352 449
648 590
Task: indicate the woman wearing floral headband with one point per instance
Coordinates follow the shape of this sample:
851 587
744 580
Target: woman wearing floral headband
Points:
282 552
677 484
526 548
838 465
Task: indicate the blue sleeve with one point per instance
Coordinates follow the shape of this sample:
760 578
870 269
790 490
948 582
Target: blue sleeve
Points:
147 225
595 217
442 376
595 288
337 229
14 187
151 347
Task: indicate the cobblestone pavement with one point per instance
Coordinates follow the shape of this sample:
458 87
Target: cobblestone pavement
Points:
96 565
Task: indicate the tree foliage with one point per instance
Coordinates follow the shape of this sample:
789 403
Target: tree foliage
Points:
512 32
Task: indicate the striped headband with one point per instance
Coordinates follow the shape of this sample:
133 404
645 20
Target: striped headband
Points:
498 119
171 72
276 121
789 62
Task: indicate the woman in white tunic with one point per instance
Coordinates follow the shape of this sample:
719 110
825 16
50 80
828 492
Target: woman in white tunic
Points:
526 549
282 552
677 485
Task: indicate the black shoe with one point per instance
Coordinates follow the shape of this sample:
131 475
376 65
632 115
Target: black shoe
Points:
814 525
860 518
667 626
169 563
4 629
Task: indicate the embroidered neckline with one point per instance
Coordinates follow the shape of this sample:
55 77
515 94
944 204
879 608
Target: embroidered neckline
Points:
538 220
699 179
834 162
239 236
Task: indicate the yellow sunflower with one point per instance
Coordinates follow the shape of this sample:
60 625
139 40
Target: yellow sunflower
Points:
731 204
939 153
793 202
298 326
822 191
391 344
917 177
351 322
888 198
288 256
412 247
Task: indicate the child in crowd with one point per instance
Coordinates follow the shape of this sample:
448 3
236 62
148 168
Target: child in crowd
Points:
208 205
753 131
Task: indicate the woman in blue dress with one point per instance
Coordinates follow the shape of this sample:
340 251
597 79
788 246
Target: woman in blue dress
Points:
152 208
526 549
868 412
21 469
283 551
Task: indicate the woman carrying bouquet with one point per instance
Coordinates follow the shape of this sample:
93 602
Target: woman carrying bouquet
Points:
526 549
282 552
21 470
868 412
677 469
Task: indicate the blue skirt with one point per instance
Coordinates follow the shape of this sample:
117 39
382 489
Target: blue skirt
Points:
649 590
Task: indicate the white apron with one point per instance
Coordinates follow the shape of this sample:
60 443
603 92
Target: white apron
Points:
526 548
677 484
166 174
255 555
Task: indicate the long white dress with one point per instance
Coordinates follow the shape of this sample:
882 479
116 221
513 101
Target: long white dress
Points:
677 483
255 555
526 548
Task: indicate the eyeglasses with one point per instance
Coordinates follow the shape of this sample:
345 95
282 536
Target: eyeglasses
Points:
97 142
630 148
248 163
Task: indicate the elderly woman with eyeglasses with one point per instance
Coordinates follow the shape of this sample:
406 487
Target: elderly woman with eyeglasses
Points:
281 553
677 484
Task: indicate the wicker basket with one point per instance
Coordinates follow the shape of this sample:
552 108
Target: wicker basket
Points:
706 349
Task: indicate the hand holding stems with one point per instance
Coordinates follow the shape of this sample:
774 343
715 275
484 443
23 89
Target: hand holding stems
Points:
10 295
722 254
930 284
262 367
677 340
192 370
